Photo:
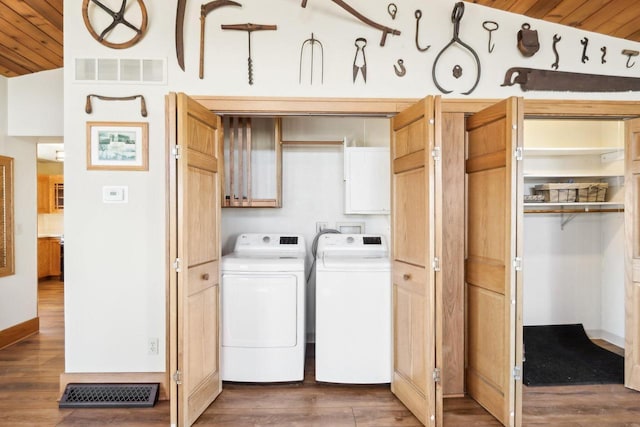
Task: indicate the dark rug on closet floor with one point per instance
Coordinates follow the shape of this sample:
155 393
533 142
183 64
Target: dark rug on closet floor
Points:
564 355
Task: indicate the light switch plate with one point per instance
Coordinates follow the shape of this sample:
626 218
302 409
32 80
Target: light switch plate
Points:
115 194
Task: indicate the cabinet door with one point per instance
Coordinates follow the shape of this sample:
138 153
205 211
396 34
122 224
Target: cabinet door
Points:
44 258
54 257
415 182
632 255
56 193
195 304
43 194
494 241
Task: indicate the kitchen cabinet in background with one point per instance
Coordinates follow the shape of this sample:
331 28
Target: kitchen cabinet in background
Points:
48 257
50 193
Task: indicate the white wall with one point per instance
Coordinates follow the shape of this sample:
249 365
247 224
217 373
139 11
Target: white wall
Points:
18 293
116 254
36 102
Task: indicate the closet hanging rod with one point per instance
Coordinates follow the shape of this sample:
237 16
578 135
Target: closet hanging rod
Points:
560 211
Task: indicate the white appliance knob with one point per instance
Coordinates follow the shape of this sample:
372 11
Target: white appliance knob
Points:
266 239
350 239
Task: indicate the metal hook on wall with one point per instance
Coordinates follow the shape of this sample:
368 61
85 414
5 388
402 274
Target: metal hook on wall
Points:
418 15
490 26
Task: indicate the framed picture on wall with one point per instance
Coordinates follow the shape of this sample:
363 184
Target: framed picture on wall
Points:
118 146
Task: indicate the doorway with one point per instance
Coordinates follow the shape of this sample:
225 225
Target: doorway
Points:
50 206
392 107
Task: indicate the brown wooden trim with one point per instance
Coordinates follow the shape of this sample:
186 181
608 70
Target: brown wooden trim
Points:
392 106
551 107
19 332
116 377
283 106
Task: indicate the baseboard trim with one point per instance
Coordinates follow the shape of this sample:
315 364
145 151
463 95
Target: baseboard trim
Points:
19 332
116 377
607 336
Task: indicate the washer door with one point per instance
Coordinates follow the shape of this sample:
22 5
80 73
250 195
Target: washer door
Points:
259 311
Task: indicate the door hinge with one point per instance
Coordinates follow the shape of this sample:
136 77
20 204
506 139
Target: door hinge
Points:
177 264
177 152
435 264
517 263
177 377
436 153
436 375
516 373
518 153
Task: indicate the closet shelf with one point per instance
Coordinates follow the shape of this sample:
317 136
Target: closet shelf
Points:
312 142
575 174
567 151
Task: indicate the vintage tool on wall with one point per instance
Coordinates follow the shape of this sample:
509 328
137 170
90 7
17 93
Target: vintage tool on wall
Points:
309 45
603 49
418 15
556 40
205 9
392 9
562 81
400 69
528 43
630 54
585 44
182 6
456 17
118 19
490 26
360 59
249 28
143 105
385 30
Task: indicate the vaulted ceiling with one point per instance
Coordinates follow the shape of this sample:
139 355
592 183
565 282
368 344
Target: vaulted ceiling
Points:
30 36
31 30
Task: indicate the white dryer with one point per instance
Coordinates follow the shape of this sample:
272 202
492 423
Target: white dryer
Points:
353 309
263 309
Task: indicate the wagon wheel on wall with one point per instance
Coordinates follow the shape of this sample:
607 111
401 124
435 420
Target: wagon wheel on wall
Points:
118 18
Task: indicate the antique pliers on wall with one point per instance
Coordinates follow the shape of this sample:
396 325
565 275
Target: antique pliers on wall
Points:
360 60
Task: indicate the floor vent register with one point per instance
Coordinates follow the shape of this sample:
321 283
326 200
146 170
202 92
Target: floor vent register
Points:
109 395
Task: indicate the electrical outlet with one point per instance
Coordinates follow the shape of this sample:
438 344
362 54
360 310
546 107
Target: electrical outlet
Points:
153 346
321 226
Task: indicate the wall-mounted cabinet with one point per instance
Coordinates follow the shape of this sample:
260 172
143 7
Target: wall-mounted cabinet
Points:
252 162
50 193
574 152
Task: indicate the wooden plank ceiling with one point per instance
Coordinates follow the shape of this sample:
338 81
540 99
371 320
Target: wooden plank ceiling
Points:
30 36
31 30
617 18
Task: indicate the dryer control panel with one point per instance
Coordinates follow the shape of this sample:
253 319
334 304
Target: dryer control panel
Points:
256 244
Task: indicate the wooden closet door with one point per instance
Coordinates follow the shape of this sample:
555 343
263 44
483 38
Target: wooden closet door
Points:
415 184
632 252
195 298
494 242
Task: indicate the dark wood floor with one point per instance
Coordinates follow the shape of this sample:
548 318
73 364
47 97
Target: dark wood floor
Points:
29 375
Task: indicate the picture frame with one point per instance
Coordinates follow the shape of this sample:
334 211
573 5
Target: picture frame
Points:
118 146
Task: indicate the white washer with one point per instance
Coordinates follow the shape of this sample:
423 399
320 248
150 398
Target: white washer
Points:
263 309
353 309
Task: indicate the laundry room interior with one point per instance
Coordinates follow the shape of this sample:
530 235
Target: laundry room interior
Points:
313 183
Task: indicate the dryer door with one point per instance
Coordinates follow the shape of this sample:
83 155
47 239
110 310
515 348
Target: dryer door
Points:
259 311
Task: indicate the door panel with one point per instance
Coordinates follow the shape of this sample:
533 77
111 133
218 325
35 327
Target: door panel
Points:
632 251
415 187
494 219
194 241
